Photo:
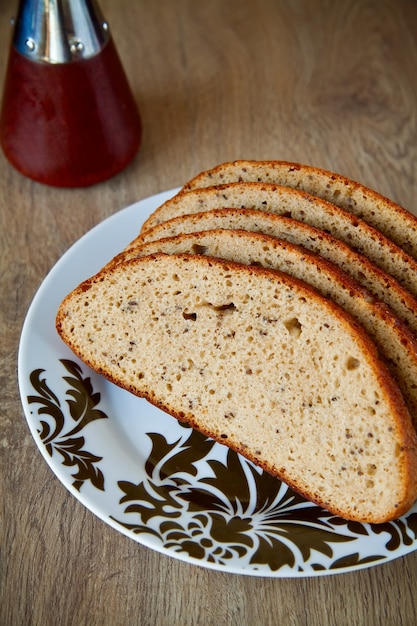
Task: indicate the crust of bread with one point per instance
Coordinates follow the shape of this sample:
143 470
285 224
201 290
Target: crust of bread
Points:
384 286
390 218
302 207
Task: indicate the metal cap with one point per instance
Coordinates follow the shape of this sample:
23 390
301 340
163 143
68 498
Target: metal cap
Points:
59 31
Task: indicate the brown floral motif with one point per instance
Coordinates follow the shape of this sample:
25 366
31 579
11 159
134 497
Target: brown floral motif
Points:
217 511
400 532
81 402
236 511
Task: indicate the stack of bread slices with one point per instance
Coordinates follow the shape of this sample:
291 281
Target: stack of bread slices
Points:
272 306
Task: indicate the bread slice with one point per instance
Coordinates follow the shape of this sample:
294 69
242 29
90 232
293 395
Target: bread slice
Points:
386 216
257 360
302 207
395 343
366 273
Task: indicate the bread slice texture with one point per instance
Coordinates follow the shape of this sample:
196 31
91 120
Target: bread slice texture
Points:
397 346
258 361
390 218
382 285
302 207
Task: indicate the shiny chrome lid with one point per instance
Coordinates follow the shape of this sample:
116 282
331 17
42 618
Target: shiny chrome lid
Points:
59 31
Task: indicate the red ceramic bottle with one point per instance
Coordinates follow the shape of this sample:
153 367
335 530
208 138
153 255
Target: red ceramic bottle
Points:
68 116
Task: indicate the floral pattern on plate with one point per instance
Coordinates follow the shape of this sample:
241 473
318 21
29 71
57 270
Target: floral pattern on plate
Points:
196 503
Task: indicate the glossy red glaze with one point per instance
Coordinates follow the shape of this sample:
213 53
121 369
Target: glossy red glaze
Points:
69 124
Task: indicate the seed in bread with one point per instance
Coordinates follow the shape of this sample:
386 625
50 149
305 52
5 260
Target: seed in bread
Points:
257 360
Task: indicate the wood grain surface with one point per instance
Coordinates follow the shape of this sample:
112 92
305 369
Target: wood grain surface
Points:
331 84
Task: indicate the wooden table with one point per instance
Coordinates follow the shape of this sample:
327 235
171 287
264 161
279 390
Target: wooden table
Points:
331 84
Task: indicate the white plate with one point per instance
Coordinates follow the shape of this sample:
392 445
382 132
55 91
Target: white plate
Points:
161 483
